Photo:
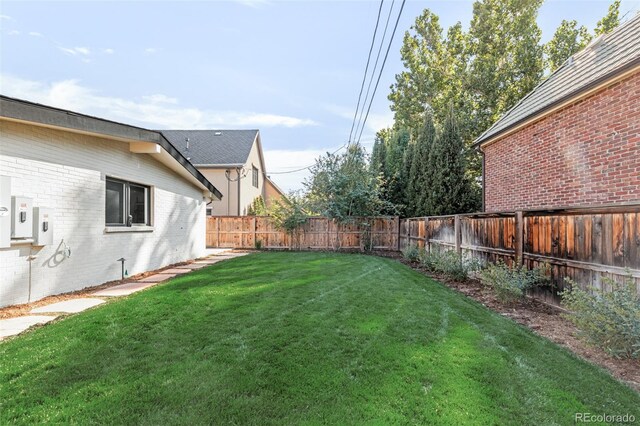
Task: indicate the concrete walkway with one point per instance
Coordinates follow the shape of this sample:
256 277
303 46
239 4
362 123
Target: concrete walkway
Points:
13 326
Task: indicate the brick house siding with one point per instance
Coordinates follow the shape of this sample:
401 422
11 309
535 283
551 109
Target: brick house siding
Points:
587 153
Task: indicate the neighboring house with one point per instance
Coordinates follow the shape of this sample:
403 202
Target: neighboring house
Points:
575 139
103 190
272 192
232 160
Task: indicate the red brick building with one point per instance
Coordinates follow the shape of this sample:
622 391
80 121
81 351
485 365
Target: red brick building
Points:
575 139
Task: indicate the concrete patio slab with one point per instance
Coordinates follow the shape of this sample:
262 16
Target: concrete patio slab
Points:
123 289
157 278
13 326
69 306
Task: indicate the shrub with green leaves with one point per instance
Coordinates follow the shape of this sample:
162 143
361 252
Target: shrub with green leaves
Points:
511 282
411 253
608 319
449 263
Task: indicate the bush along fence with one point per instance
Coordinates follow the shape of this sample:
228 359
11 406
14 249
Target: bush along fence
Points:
590 246
318 233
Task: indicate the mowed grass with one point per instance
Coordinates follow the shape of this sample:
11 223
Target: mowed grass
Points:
298 338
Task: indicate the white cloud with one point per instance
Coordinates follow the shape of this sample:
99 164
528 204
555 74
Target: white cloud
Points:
109 51
35 34
7 17
151 50
74 51
14 32
160 99
154 111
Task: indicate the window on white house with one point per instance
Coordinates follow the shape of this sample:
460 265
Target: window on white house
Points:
127 203
255 176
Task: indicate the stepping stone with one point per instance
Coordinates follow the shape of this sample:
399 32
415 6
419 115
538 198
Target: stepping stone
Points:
192 266
123 289
175 271
69 306
13 326
157 278
207 261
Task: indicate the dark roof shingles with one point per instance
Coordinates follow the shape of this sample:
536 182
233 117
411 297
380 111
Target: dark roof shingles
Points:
213 147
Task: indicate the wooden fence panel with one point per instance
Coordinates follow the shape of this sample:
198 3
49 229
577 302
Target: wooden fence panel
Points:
318 233
586 245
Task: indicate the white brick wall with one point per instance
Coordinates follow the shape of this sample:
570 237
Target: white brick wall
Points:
66 171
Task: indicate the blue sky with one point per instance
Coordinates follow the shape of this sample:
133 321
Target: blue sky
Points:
291 69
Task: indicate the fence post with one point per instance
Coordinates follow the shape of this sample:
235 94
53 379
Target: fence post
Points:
458 234
519 242
255 228
398 242
217 231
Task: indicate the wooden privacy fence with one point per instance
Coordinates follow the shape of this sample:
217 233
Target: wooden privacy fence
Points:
319 233
584 244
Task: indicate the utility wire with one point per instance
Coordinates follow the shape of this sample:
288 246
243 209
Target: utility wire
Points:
375 67
366 70
307 167
382 68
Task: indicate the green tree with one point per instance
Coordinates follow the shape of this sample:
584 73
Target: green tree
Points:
450 191
424 78
421 172
289 214
610 21
342 186
567 40
408 209
257 207
504 41
395 186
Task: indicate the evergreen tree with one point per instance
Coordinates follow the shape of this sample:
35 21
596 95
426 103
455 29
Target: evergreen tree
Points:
610 20
407 160
450 190
420 173
395 185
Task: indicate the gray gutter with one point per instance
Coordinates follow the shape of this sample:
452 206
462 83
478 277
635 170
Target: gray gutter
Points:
22 110
626 67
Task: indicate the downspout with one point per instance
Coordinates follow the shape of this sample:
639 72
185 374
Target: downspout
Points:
484 209
238 172
228 172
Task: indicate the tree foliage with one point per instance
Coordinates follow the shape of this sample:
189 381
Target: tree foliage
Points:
289 214
610 20
567 40
342 186
450 190
257 207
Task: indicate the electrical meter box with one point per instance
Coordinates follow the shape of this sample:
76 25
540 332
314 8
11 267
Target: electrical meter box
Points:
21 217
5 211
42 226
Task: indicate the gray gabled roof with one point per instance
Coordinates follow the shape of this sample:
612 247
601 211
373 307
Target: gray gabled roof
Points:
605 57
213 147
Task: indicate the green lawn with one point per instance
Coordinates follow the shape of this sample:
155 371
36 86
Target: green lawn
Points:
286 338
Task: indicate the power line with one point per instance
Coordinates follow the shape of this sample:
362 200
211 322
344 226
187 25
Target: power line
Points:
375 67
382 68
307 167
366 69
